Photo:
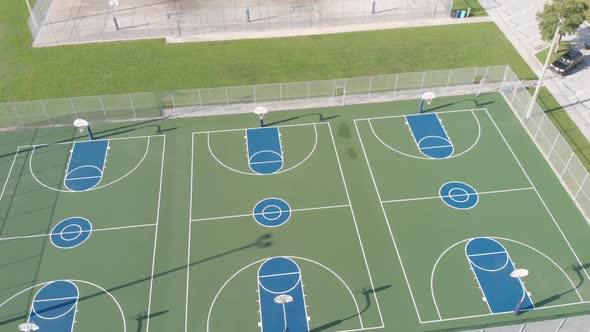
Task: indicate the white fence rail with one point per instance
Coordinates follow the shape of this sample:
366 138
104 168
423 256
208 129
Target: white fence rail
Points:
311 94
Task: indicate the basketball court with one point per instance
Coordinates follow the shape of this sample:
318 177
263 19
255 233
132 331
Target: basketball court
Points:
353 218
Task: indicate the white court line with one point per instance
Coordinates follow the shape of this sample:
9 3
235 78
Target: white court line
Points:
9 172
356 227
449 196
436 146
190 213
538 195
147 328
501 313
433 272
262 213
102 139
93 230
291 257
97 187
277 275
404 115
488 254
123 318
416 143
315 129
242 129
387 222
85 178
57 299
266 162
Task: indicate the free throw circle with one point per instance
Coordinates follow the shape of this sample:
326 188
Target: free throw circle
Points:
272 212
458 195
71 232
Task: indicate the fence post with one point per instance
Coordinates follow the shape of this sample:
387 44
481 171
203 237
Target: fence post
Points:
200 99
102 107
18 115
423 78
172 99
504 78
132 106
449 80
254 87
74 108
553 146
539 129
395 85
344 96
370 87
308 92
227 96
334 92
566 165
474 75
46 114
281 92
581 186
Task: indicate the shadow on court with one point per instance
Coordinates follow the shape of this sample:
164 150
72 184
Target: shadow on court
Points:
476 104
367 292
263 241
322 118
578 270
141 317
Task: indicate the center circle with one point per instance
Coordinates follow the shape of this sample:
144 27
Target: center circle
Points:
275 210
70 232
458 195
455 197
66 234
271 212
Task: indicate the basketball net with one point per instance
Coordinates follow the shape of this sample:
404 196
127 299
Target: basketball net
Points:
428 101
261 116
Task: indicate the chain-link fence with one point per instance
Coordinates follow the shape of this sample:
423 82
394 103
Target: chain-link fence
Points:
312 94
204 17
80 21
570 324
549 140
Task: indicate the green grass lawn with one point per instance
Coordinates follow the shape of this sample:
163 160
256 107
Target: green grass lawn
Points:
27 73
476 8
566 126
564 46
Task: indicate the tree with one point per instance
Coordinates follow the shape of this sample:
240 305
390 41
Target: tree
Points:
570 11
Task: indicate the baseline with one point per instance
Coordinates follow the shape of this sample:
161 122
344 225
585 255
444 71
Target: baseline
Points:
432 274
538 194
123 319
358 311
421 157
97 187
258 174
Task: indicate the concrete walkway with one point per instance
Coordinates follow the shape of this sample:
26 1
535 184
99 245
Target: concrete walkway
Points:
517 20
323 30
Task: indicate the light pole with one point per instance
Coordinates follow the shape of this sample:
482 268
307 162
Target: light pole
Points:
536 94
113 4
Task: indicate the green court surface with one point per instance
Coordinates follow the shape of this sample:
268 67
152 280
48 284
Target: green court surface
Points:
177 238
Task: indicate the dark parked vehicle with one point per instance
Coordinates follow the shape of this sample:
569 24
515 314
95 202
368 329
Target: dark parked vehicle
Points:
567 62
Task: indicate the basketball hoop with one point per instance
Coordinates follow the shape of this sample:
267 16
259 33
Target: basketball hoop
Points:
81 124
428 97
28 327
283 298
520 273
261 111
